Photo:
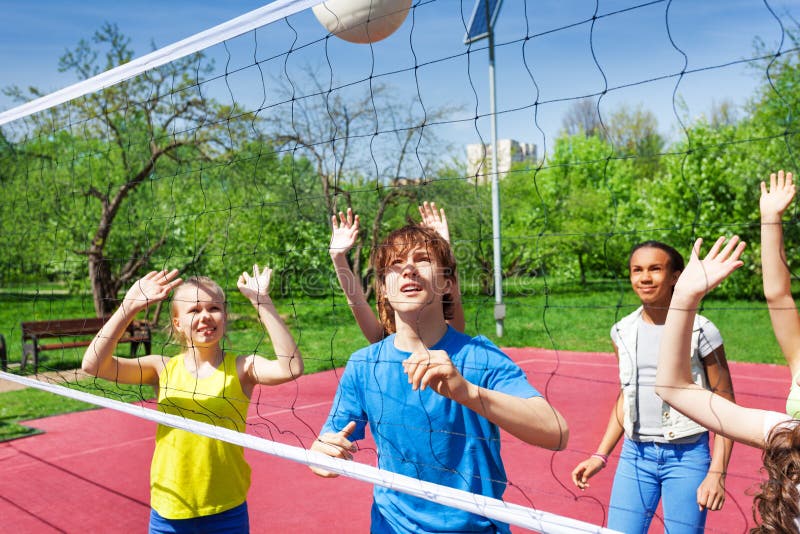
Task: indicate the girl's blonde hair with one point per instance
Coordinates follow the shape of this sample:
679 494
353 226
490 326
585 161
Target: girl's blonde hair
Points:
193 283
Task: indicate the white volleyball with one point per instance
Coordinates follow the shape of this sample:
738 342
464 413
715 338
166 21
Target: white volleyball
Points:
362 21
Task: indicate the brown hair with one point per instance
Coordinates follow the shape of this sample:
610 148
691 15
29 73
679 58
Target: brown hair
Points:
777 499
398 244
194 282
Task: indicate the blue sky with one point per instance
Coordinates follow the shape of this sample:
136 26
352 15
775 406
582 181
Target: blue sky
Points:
631 46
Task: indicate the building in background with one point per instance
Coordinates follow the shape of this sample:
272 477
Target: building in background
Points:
479 163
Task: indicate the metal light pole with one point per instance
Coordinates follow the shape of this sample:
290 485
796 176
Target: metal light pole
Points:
481 25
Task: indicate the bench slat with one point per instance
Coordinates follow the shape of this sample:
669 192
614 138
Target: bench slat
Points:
74 344
62 327
138 332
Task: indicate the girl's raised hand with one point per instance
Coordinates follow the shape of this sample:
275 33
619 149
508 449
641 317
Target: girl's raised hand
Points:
701 276
255 287
152 287
776 198
434 219
345 232
586 470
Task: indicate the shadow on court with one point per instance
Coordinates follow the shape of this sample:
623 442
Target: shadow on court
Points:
89 471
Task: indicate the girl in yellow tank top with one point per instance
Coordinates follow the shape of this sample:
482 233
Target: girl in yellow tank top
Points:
196 482
775 198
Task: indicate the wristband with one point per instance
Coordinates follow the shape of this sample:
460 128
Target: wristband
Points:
602 457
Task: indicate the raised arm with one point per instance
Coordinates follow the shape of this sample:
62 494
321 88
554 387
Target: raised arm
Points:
533 420
345 233
674 381
99 359
437 220
776 277
288 364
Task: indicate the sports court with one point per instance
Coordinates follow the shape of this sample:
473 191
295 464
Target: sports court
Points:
89 471
599 125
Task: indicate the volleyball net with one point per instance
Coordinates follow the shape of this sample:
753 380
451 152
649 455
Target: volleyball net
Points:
235 146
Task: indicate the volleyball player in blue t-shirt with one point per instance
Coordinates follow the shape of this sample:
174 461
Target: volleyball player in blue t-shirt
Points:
434 398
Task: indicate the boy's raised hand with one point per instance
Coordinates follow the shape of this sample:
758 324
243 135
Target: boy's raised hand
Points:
255 287
701 276
345 232
434 219
434 369
777 197
152 287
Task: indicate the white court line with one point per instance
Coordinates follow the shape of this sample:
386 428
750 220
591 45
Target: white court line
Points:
569 362
613 365
289 410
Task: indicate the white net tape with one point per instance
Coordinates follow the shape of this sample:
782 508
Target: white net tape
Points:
199 41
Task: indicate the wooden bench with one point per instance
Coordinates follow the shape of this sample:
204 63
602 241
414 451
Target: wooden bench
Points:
138 332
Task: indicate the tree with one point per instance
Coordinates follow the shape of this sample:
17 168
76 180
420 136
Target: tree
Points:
723 113
582 117
359 141
634 133
586 197
119 139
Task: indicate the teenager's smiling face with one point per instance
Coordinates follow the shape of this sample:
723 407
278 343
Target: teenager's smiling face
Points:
414 280
199 316
652 276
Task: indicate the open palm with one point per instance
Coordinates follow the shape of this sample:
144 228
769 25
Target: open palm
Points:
435 219
345 231
777 197
701 276
153 287
256 286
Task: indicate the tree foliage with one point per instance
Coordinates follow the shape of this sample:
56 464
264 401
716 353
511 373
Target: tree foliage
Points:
153 173
121 140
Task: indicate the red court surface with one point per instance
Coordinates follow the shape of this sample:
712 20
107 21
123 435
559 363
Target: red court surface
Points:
88 471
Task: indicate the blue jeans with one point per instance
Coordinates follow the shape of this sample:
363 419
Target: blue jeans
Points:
230 521
649 471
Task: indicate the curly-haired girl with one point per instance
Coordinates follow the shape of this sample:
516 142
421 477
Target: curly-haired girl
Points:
776 433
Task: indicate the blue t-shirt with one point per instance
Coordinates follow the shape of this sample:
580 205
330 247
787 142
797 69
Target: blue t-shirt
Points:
424 435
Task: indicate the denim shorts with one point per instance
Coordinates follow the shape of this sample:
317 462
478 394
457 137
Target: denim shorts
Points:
233 521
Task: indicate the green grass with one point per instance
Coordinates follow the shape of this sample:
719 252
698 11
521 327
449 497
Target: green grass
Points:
325 330
569 318
564 317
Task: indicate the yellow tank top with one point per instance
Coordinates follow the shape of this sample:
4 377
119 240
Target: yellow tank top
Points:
192 475
793 401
